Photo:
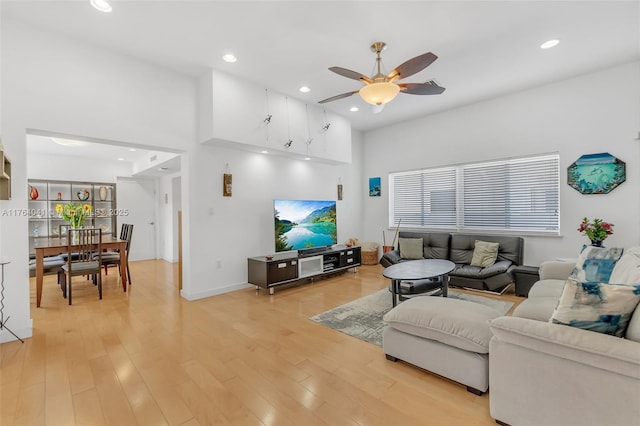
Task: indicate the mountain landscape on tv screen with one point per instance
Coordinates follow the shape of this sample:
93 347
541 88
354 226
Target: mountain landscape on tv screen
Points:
301 224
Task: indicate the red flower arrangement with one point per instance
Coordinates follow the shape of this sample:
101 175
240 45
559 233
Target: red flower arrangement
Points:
597 230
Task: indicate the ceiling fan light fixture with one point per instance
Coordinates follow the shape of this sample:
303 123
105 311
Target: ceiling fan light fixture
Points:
379 93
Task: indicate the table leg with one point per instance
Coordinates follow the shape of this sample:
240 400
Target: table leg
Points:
39 276
395 284
123 267
445 285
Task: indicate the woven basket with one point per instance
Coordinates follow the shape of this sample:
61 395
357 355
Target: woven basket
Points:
370 257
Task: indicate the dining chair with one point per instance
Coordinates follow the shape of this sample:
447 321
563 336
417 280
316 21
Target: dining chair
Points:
112 257
84 249
63 231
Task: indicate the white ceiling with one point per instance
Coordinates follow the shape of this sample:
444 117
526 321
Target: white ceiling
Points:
44 145
485 48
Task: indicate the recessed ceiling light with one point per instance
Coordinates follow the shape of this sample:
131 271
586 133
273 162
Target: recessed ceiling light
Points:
68 142
307 158
305 89
354 109
101 5
132 149
264 152
120 159
229 58
549 44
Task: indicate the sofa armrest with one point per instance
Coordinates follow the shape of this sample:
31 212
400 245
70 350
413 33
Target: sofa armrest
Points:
555 270
390 258
597 350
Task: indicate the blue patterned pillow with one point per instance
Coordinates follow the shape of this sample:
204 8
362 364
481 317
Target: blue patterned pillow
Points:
595 306
595 264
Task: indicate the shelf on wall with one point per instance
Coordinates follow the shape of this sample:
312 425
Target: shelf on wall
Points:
5 177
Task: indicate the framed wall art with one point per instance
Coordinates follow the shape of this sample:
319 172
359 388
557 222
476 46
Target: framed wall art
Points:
596 173
227 180
374 187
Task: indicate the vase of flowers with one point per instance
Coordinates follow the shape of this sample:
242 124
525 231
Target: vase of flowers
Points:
597 230
74 213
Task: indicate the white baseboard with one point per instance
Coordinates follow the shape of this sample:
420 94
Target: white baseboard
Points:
214 291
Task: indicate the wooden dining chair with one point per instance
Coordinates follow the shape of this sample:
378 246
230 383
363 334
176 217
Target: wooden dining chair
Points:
112 257
84 250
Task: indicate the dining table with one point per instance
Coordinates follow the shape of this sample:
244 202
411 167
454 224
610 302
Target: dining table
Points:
51 246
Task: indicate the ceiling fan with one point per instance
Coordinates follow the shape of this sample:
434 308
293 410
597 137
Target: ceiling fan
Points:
380 89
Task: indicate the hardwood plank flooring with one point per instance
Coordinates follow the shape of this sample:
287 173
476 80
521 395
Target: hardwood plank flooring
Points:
149 357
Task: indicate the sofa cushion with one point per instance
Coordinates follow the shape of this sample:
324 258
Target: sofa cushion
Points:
633 328
537 308
627 269
435 244
462 246
454 322
484 254
547 288
411 248
469 271
595 264
601 307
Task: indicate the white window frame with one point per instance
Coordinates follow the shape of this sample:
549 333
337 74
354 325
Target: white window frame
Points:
523 203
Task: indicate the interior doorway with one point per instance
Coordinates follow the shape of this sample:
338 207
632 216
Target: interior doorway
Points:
139 197
134 169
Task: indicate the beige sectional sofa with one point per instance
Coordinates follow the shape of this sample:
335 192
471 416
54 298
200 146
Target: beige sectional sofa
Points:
549 374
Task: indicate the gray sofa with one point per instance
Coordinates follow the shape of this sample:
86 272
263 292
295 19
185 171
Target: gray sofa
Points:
548 374
458 248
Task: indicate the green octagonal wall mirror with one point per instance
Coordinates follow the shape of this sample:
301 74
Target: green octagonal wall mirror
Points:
596 173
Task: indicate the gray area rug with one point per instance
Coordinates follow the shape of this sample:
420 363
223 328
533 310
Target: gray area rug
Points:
362 318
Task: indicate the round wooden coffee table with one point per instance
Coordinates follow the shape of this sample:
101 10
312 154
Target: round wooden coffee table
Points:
421 269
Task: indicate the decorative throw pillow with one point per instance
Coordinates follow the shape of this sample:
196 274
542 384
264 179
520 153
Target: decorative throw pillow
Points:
484 253
411 248
595 264
600 307
627 269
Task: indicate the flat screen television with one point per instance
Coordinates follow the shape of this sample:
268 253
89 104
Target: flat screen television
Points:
303 224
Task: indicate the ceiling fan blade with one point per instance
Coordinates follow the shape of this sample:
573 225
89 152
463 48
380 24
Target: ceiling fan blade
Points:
428 88
335 98
411 66
351 74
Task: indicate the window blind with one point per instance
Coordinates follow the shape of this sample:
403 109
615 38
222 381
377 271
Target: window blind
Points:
519 194
424 198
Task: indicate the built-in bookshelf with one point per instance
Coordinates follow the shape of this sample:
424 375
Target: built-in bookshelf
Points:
43 219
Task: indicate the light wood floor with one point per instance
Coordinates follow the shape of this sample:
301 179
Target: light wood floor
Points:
149 357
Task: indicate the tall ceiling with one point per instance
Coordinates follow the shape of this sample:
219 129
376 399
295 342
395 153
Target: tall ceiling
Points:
485 49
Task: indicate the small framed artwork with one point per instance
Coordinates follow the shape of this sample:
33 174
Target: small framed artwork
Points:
596 173
226 185
374 187
339 191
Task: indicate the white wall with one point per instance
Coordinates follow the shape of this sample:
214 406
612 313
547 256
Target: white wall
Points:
51 83
234 228
598 112
68 87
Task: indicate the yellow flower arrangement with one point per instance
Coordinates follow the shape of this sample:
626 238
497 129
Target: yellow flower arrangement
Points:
74 213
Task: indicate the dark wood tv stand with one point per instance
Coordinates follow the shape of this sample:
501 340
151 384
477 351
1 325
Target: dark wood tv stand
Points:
288 267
